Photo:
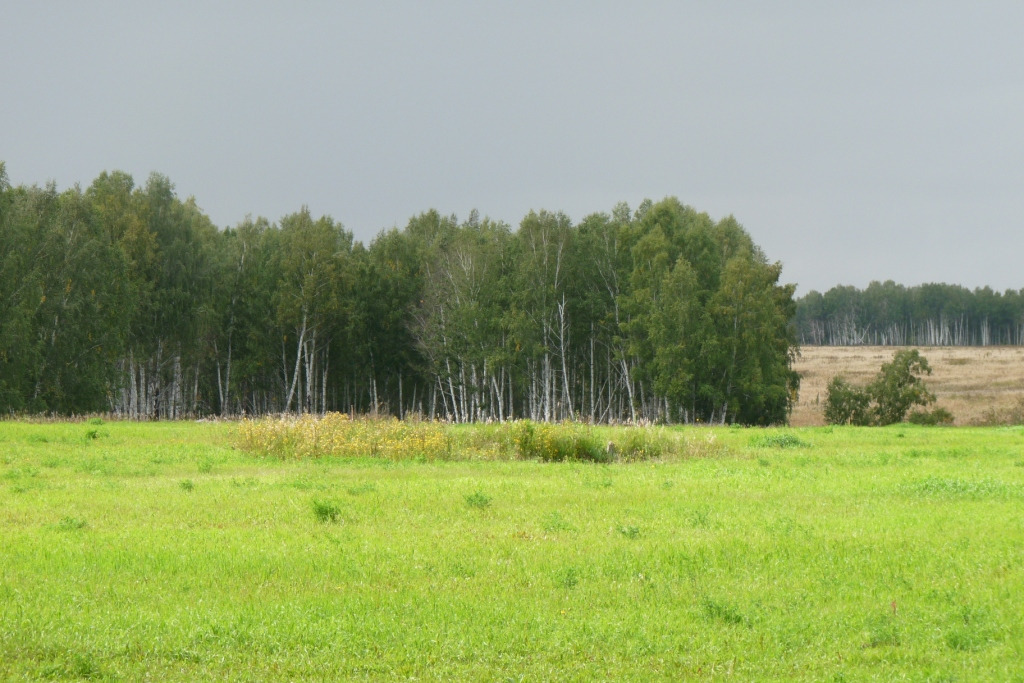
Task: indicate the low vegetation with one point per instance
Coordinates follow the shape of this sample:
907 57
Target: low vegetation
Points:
980 386
170 551
886 400
337 435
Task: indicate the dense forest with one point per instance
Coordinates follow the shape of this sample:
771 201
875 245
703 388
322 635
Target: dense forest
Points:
128 299
928 315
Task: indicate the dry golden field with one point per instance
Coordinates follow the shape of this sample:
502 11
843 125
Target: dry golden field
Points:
978 385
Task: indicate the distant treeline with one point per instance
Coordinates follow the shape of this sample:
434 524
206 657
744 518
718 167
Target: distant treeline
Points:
127 299
928 315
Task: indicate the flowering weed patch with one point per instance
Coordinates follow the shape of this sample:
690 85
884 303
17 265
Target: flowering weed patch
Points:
337 435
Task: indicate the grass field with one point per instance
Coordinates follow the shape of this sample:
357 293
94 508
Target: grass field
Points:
160 552
979 385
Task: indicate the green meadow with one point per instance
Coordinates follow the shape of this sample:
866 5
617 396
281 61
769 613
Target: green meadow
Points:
163 551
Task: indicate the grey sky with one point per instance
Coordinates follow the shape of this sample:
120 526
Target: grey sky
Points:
855 141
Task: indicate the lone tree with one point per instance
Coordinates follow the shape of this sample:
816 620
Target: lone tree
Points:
887 399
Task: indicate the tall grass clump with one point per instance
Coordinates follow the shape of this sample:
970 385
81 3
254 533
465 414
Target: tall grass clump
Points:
558 442
338 435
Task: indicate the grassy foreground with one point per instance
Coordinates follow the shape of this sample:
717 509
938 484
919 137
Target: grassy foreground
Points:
159 551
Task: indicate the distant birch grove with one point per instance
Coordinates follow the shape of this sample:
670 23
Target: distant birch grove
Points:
889 314
127 299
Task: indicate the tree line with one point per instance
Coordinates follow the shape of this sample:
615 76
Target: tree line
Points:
894 315
128 299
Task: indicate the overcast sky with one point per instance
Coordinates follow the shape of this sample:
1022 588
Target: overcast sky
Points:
854 140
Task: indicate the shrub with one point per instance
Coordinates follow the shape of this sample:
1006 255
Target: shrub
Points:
934 417
898 387
846 404
887 399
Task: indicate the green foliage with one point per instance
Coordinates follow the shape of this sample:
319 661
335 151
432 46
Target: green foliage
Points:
556 443
888 398
932 314
778 440
898 387
934 417
126 298
478 500
326 511
846 404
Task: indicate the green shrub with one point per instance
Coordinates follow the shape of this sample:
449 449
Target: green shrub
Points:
886 400
846 404
934 417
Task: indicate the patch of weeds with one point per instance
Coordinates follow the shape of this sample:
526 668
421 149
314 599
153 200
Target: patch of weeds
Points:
706 446
478 500
667 484
187 485
568 577
719 610
882 631
933 418
700 518
360 489
460 570
559 442
970 631
640 443
205 466
326 511
96 421
778 440
71 524
630 531
554 523
764 462
92 434
960 488
304 484
37 438
78 666
24 472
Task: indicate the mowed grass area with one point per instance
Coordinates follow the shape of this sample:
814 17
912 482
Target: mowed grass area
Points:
979 385
159 551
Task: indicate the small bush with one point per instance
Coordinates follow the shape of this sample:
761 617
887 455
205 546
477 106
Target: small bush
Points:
187 485
846 404
932 418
